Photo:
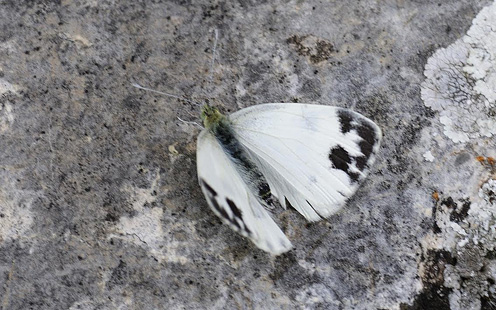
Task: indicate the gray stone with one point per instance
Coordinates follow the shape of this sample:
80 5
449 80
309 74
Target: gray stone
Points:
100 207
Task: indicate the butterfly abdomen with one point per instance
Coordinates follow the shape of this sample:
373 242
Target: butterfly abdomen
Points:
247 168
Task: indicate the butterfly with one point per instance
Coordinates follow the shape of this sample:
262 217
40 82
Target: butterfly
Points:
311 157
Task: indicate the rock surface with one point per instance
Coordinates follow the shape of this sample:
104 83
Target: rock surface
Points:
99 202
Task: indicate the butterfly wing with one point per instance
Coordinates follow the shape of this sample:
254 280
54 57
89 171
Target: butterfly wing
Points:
312 155
231 200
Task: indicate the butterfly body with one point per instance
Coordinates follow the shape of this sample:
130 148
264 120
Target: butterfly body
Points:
221 127
311 156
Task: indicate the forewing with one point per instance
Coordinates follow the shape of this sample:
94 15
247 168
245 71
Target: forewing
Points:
312 155
231 200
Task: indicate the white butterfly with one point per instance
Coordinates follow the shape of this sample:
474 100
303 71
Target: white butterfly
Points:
311 156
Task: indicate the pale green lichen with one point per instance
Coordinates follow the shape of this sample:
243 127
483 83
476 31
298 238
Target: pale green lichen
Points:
461 81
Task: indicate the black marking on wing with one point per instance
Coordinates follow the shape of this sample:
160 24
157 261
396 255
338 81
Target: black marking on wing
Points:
345 119
340 158
237 215
249 170
237 212
369 136
212 198
210 189
361 162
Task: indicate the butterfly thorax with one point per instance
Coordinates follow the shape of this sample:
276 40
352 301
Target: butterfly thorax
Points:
221 127
211 117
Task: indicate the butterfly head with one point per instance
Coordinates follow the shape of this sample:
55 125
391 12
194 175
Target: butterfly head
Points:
211 116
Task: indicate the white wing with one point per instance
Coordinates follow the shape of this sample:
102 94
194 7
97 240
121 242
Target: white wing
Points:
230 199
312 155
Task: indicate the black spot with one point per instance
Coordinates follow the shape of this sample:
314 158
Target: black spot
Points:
341 160
209 188
361 162
248 231
217 207
235 223
238 215
345 119
366 148
238 221
223 213
364 129
368 134
237 212
354 176
211 197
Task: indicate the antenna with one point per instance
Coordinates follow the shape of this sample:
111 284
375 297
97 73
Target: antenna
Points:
165 94
214 49
189 122
210 77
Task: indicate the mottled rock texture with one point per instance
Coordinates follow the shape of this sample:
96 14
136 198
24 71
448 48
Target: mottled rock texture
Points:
99 202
